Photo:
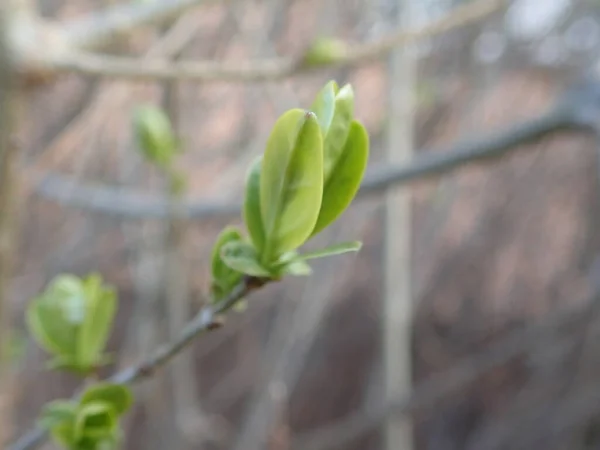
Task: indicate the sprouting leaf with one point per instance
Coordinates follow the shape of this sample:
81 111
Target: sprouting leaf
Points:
101 306
345 178
117 395
47 323
222 274
57 412
336 249
296 267
291 182
242 256
252 214
154 135
64 434
337 134
95 420
324 106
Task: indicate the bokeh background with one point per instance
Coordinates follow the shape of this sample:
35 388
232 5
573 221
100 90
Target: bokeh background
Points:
502 257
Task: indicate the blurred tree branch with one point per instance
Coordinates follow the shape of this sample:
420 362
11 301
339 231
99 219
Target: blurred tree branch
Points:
68 44
567 115
268 69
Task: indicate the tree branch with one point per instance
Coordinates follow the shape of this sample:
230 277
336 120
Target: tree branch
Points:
101 28
207 319
428 163
259 70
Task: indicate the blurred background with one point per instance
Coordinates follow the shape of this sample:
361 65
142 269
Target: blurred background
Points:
474 293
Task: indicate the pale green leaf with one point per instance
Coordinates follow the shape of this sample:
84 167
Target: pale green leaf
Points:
242 256
57 412
154 135
291 182
46 322
337 249
64 435
324 105
252 214
101 307
337 134
95 420
117 395
222 274
344 180
296 267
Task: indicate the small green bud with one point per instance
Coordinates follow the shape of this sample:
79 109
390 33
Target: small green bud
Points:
154 135
324 51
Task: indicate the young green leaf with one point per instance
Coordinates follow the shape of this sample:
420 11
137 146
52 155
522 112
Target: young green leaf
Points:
117 395
252 214
222 273
337 134
154 135
64 435
46 322
324 51
101 306
291 182
324 106
295 267
345 178
57 412
242 256
336 249
95 420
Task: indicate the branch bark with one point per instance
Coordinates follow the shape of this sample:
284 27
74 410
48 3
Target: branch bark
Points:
79 61
430 163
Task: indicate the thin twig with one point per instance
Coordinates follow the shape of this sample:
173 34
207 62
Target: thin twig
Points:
207 319
100 28
261 70
429 163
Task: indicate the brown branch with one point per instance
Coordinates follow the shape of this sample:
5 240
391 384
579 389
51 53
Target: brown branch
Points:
258 70
207 319
429 163
101 28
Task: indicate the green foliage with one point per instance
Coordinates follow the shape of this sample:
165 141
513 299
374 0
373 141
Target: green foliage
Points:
252 214
309 174
223 277
71 320
154 134
90 423
291 182
345 176
323 52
